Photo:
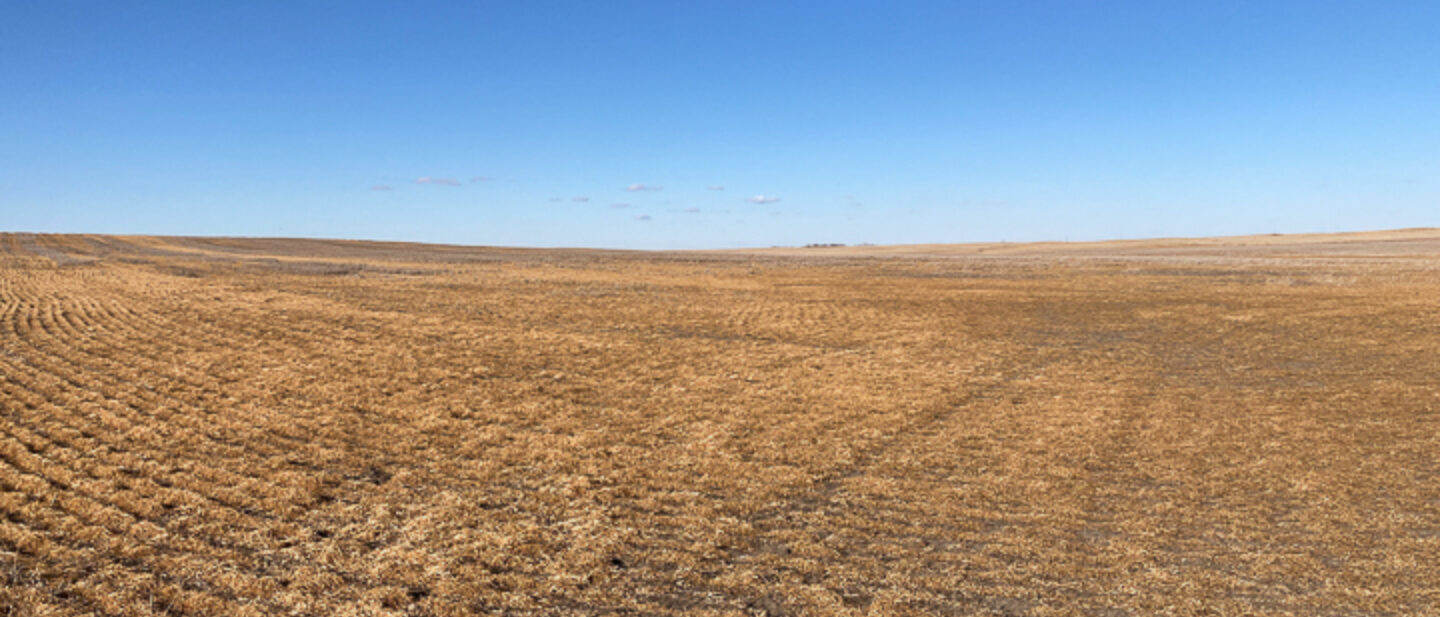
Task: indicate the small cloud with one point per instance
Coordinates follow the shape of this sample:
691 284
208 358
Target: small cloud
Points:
641 187
619 205
692 210
475 179
382 187
581 199
762 199
555 199
441 181
642 217
715 187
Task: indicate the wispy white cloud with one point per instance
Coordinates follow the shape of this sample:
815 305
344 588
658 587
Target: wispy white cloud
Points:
642 187
715 187
582 199
762 199
619 205
692 210
642 217
475 179
382 187
440 181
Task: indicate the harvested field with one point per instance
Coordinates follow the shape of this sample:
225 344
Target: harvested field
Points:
305 427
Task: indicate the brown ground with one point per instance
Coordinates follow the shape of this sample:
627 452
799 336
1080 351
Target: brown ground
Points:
273 427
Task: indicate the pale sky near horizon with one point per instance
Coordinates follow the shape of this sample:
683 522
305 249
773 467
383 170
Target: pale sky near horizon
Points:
718 124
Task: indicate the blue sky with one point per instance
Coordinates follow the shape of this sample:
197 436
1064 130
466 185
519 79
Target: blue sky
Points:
823 121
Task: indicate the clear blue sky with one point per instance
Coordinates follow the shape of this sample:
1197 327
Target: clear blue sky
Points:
846 121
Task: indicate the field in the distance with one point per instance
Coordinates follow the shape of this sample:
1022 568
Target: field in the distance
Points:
304 427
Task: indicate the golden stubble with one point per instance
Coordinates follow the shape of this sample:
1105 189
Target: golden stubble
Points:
293 427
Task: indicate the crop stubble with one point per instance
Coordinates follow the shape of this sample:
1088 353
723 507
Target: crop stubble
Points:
266 427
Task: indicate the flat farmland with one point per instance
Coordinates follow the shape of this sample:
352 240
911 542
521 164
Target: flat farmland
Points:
212 426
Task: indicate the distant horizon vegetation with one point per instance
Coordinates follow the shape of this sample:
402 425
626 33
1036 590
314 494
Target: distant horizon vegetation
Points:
1358 235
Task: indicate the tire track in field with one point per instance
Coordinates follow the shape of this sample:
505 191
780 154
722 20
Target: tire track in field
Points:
760 537
857 529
